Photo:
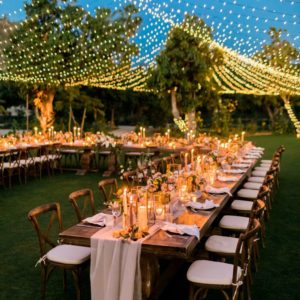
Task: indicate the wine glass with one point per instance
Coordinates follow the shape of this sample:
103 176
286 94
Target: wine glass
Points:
115 210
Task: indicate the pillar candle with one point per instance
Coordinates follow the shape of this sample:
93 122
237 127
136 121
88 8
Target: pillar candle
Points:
143 217
125 201
243 136
131 210
192 158
186 161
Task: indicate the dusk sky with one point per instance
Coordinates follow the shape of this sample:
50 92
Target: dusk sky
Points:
240 25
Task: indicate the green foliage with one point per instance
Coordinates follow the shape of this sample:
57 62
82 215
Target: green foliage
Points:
186 65
60 42
221 118
278 54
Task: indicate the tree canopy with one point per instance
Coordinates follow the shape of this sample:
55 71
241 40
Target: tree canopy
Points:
185 65
60 43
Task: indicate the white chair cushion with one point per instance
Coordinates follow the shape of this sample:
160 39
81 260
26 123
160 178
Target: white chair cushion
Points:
247 193
259 173
223 244
261 169
256 179
211 272
234 222
242 205
69 254
266 161
252 185
265 165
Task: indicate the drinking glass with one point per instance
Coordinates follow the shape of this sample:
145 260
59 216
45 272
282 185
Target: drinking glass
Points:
115 210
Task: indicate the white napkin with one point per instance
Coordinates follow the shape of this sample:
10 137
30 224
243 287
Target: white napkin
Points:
234 171
100 219
213 190
181 229
208 204
228 178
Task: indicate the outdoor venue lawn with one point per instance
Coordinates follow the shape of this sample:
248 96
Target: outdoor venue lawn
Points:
279 266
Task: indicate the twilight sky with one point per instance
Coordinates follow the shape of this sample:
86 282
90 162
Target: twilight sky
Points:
238 24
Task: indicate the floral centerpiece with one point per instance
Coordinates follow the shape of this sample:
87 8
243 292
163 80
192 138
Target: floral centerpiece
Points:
131 233
161 183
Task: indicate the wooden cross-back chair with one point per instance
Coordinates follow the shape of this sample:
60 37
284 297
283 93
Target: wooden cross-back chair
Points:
204 275
12 166
86 207
67 257
107 188
130 178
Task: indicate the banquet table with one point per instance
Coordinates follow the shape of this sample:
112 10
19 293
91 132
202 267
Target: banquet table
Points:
162 244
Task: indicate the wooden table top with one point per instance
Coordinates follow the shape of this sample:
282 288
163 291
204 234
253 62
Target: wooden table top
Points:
160 243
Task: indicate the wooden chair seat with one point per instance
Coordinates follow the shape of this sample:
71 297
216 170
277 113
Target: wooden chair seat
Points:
268 161
242 205
262 169
209 272
252 185
235 223
256 179
259 173
221 244
69 254
248 193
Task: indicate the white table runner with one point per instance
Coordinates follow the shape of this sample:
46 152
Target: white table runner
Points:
115 266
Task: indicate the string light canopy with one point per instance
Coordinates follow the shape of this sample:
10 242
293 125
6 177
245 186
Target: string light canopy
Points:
238 29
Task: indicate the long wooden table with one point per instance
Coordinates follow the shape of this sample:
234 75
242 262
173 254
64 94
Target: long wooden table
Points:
162 245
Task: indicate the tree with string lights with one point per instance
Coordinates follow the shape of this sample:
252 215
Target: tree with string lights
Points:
279 54
183 70
60 43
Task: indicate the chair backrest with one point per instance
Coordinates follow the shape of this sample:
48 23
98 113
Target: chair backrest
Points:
244 248
45 228
166 161
156 166
83 203
142 174
130 177
175 158
107 188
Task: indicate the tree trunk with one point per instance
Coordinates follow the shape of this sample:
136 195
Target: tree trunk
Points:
175 110
112 118
70 118
271 116
27 112
44 108
83 119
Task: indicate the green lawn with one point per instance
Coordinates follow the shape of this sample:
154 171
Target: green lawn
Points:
279 268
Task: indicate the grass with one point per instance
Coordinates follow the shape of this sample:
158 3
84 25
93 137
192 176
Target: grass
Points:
279 269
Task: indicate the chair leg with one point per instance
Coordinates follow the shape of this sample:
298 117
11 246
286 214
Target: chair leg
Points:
43 281
76 274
